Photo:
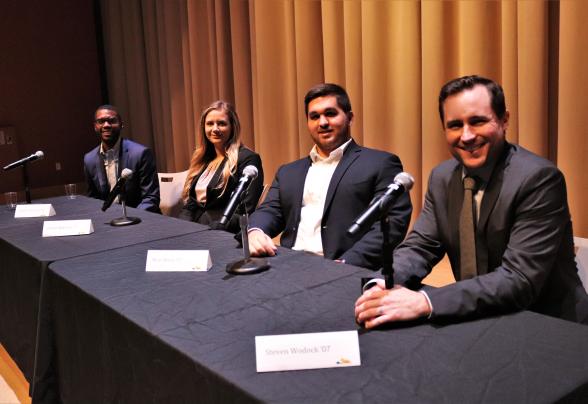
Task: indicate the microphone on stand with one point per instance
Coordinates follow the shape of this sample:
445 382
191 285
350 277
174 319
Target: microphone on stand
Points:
125 175
119 189
23 162
247 265
249 174
403 182
36 156
378 210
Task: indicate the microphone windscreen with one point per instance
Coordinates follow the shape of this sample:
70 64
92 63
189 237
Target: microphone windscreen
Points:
404 179
126 173
250 171
40 154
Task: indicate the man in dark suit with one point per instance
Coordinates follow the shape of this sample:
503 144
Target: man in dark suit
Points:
314 200
523 255
104 164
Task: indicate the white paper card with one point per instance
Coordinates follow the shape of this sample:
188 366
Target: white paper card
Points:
178 260
34 210
58 228
307 351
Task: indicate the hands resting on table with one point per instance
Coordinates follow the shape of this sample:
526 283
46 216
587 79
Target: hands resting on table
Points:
260 244
376 305
379 305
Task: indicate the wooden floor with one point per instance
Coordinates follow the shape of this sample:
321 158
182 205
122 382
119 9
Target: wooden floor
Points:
16 385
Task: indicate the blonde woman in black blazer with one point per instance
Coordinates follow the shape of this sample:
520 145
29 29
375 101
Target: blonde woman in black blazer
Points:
216 166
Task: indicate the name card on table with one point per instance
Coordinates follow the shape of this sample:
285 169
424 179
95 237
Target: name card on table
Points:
307 351
178 260
58 228
34 210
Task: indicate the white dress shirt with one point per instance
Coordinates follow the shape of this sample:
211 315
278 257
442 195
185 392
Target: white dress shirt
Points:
318 178
110 158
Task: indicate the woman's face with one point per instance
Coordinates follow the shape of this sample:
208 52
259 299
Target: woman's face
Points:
217 128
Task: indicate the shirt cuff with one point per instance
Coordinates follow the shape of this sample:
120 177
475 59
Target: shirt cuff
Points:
254 228
369 284
429 302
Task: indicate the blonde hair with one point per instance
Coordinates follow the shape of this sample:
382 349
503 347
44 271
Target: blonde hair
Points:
205 153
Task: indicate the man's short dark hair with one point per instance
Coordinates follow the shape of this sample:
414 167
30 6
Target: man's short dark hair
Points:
326 89
110 108
460 84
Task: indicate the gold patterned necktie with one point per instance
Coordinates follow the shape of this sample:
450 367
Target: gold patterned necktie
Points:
467 238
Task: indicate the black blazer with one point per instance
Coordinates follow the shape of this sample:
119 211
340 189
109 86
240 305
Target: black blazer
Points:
142 189
361 175
524 242
212 211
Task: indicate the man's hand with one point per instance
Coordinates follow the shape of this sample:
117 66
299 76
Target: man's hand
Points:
260 244
379 305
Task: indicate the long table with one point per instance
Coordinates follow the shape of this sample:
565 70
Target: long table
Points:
25 255
122 334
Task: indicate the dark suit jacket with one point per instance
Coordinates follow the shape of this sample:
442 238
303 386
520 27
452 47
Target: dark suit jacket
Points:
142 190
361 175
216 203
524 242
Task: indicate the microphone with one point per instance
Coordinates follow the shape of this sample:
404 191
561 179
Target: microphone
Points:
249 174
402 183
125 175
37 156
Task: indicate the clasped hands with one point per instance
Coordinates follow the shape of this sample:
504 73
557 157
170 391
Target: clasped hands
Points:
379 305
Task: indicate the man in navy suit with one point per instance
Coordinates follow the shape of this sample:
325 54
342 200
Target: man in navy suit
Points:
104 164
524 251
314 200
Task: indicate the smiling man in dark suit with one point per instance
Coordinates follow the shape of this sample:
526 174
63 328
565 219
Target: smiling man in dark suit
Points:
104 164
522 253
314 200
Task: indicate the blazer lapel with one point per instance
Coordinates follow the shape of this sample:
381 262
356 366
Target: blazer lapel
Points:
212 190
493 188
123 157
101 174
352 152
491 194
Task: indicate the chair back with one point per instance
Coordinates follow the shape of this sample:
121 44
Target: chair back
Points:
171 186
581 247
264 192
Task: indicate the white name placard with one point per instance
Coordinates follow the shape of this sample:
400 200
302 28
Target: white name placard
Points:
34 210
178 260
58 228
307 351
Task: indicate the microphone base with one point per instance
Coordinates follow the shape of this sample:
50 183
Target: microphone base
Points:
248 266
125 221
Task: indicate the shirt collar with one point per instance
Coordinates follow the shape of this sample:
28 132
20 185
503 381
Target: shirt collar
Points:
115 149
335 155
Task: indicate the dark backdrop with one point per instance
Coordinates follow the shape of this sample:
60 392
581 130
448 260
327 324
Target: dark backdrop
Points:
50 84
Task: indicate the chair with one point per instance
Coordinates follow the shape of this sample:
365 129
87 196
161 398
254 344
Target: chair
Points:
264 192
171 186
581 247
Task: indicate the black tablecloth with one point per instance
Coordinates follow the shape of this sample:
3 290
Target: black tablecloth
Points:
25 256
124 335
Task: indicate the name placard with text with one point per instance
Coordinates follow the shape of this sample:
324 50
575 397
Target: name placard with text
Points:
60 228
34 210
178 260
307 351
